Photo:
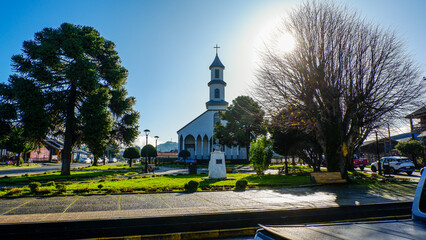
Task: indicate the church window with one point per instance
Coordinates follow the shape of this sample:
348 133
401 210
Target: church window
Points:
216 93
216 118
216 73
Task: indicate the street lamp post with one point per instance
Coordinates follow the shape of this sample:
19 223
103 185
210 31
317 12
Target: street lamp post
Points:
156 138
146 148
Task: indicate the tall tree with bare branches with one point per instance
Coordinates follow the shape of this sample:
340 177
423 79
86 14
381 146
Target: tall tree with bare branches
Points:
344 76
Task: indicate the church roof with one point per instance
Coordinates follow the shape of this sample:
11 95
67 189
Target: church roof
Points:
216 103
192 121
217 82
217 63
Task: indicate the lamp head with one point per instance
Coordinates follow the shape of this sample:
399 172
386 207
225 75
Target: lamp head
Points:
146 131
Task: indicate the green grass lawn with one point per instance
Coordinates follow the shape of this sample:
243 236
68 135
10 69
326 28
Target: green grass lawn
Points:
114 179
22 166
107 182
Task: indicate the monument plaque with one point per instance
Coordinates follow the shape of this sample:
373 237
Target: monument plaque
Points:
217 168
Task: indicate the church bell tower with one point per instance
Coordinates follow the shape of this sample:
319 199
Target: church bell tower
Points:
217 86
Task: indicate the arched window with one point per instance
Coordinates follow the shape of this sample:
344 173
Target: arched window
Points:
216 73
216 118
216 93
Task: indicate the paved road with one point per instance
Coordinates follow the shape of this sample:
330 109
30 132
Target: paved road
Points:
415 177
50 167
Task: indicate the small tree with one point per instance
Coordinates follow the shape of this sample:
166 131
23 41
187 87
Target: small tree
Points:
412 147
184 154
131 153
260 154
148 152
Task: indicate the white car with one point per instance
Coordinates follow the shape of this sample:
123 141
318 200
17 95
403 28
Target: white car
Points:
86 160
396 165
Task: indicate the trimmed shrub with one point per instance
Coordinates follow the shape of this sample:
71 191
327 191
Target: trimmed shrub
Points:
34 187
191 186
61 188
112 191
100 186
51 183
241 184
81 190
45 191
14 191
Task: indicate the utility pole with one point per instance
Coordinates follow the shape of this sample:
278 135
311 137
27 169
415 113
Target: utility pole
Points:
378 154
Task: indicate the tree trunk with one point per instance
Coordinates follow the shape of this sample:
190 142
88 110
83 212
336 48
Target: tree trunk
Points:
95 161
131 162
286 166
69 130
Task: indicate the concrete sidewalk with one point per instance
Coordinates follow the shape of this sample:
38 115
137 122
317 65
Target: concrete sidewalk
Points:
130 206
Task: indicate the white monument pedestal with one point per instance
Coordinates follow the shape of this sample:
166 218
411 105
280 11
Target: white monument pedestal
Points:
217 168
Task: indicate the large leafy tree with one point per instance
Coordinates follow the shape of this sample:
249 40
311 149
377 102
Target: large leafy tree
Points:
18 143
69 83
344 76
412 147
243 121
292 140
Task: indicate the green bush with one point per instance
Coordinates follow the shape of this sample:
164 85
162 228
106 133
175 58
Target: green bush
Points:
100 186
34 187
191 186
112 190
82 190
14 191
51 183
61 188
44 191
241 184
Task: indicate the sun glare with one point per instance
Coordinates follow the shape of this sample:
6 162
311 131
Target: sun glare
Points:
285 43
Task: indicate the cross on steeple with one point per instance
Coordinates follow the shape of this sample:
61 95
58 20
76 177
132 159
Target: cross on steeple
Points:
216 48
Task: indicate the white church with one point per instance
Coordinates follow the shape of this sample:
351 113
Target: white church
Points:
197 135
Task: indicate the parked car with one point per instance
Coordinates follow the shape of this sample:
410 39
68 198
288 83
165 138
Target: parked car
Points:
360 162
113 160
187 161
413 228
86 160
395 164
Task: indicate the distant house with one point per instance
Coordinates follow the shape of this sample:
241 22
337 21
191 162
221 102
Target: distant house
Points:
51 151
420 128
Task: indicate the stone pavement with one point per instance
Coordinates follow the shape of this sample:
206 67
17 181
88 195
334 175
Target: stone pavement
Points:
57 209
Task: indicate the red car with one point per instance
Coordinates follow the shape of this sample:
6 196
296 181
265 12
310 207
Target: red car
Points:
360 162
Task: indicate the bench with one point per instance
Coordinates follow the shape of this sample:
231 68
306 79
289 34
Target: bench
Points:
327 177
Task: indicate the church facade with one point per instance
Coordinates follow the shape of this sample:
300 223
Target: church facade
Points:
197 135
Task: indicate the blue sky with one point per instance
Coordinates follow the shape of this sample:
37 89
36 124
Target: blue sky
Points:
167 46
